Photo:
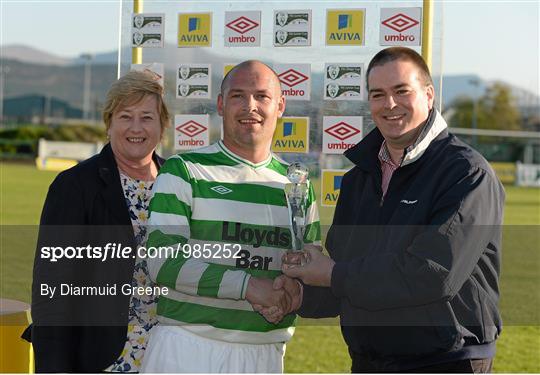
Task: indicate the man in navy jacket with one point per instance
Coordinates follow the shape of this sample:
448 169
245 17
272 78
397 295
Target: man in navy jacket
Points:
415 245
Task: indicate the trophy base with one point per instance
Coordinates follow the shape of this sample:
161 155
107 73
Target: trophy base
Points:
296 258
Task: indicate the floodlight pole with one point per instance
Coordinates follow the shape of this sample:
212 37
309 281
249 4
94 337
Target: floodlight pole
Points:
427 32
87 84
136 52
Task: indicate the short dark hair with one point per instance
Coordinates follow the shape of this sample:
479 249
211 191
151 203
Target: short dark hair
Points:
242 65
403 54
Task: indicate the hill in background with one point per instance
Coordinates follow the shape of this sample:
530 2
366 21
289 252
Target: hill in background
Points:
33 71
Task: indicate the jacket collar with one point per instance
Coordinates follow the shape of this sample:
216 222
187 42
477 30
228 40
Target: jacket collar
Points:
435 124
108 170
364 154
112 189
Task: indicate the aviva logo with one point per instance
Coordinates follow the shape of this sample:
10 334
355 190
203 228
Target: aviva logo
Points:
345 28
337 182
194 29
289 128
194 23
331 185
291 135
344 21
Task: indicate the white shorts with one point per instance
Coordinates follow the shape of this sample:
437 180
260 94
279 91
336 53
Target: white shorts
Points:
174 349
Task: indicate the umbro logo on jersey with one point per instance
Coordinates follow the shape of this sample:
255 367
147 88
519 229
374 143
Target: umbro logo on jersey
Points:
220 189
408 202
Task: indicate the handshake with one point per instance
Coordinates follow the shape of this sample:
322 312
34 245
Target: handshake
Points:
276 298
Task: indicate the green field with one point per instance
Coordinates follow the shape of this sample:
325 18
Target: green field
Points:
314 348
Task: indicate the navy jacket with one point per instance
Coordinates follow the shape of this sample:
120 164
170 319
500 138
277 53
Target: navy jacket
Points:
416 274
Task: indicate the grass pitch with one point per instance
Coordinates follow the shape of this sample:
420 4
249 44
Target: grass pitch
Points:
314 348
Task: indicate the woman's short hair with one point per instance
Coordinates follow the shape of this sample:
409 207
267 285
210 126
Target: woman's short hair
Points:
130 89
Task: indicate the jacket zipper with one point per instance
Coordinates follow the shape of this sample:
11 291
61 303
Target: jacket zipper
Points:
378 173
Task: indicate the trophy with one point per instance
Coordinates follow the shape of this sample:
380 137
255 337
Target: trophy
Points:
296 192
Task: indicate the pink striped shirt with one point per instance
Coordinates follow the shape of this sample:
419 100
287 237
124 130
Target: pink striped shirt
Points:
388 167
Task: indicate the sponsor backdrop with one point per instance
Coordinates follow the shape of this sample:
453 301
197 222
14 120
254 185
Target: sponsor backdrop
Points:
190 132
341 133
291 135
331 185
147 30
320 51
242 29
295 80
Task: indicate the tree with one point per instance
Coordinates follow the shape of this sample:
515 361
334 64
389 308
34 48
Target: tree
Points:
500 109
494 110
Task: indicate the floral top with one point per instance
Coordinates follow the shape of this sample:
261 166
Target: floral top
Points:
142 308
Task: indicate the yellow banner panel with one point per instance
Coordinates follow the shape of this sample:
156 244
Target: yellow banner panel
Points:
227 68
194 29
55 164
506 172
291 135
331 186
345 27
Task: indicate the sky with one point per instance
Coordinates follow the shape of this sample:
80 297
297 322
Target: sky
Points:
494 39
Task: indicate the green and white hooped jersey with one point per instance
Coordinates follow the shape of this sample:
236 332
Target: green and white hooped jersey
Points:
211 196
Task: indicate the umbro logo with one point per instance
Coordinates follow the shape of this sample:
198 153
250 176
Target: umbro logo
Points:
342 131
292 77
408 202
400 22
220 189
242 25
191 128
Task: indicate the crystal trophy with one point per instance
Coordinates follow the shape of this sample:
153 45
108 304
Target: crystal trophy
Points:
296 192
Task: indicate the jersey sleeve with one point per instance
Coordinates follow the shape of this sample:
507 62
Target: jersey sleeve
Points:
172 261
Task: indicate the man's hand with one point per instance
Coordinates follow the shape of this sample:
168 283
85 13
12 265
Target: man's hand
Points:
261 293
318 270
293 288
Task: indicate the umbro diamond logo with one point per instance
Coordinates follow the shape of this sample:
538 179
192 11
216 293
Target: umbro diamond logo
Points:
400 22
242 25
292 77
342 131
191 128
220 189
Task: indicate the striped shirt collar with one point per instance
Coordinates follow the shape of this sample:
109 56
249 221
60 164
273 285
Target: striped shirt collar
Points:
384 156
240 159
